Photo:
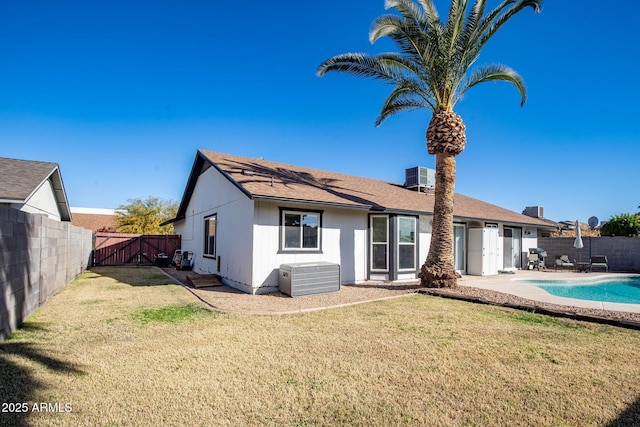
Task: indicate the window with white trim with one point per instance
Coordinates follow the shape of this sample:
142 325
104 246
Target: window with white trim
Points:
379 243
300 230
210 225
406 243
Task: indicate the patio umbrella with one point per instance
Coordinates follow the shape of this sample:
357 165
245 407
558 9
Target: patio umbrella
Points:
578 242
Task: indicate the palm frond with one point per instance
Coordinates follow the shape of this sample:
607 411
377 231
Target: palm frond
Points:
494 72
399 104
430 11
466 54
402 65
360 64
410 90
455 23
433 64
407 8
404 33
500 15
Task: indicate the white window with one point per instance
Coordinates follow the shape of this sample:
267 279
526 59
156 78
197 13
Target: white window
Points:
406 243
210 224
300 230
380 243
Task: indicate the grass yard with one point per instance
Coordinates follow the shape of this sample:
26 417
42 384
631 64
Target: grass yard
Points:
122 347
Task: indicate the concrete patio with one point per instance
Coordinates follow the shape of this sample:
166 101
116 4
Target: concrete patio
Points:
511 284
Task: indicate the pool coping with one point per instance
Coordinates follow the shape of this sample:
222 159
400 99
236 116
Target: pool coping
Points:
536 298
591 280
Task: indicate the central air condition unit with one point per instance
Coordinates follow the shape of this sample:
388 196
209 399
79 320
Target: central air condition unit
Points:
534 211
420 177
309 278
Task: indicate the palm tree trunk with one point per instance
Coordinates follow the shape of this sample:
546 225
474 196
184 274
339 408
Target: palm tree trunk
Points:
438 270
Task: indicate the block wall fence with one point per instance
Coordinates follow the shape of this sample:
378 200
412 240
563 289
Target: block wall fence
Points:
38 257
623 253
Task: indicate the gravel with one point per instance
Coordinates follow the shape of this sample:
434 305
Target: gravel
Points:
469 293
229 299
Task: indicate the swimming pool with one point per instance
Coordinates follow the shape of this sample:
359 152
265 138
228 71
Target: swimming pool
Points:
615 289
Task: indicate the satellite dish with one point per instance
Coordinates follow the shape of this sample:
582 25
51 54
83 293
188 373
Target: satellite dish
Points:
593 222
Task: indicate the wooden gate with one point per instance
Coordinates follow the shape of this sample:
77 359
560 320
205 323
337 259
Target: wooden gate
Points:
136 249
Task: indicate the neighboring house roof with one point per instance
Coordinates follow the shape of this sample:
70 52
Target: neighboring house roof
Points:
265 180
20 179
94 219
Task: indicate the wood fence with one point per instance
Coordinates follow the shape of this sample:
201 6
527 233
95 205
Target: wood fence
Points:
132 249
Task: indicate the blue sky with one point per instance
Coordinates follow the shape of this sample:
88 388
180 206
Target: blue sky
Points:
122 94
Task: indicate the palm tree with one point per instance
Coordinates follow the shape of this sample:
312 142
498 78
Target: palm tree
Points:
433 70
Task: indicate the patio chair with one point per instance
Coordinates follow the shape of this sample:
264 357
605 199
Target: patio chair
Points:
599 261
563 262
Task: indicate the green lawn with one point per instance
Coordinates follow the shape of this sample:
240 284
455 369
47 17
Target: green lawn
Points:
121 346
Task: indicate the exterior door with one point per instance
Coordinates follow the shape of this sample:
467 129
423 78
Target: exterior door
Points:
379 249
512 244
459 247
406 245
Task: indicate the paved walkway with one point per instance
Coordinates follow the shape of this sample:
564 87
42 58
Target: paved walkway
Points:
230 299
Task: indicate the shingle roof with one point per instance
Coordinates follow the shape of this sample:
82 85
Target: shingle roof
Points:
19 179
266 180
94 222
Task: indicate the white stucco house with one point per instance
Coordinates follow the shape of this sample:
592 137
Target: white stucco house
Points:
34 187
244 217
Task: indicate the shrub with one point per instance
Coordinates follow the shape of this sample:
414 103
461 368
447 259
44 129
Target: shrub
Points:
622 225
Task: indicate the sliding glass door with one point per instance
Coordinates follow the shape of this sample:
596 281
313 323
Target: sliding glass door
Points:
459 232
512 246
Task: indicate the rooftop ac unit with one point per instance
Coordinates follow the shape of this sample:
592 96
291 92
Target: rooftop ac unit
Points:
420 177
534 211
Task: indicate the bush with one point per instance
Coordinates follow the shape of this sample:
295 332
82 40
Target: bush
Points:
144 216
622 225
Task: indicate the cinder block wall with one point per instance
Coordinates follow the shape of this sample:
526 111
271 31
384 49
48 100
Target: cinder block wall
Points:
623 253
38 257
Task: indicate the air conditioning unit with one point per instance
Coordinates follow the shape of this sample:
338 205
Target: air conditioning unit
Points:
534 211
309 278
420 177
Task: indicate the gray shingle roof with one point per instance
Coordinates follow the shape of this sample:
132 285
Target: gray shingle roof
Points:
266 180
19 179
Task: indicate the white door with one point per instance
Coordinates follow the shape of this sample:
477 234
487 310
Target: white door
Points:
490 251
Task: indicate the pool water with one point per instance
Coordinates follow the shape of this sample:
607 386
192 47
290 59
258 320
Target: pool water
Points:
620 289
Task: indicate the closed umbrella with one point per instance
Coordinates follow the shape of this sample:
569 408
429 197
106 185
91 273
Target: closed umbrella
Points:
578 242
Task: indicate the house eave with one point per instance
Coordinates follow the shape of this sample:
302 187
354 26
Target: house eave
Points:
172 220
310 202
60 195
506 222
385 210
11 201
